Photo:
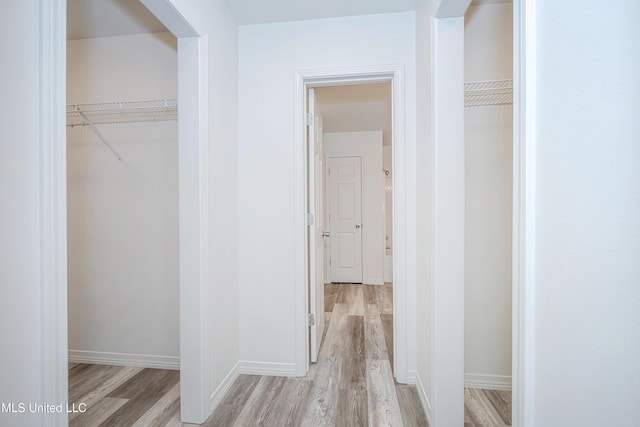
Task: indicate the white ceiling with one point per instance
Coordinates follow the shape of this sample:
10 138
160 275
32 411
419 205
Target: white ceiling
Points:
107 18
479 2
356 108
264 11
88 19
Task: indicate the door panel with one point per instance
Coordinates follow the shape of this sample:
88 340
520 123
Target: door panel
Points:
316 244
346 201
345 215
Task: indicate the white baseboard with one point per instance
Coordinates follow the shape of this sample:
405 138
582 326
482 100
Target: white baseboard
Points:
269 369
124 359
373 282
411 377
426 404
488 382
222 390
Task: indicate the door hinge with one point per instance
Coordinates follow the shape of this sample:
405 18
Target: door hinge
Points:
329 173
329 262
310 218
311 319
308 119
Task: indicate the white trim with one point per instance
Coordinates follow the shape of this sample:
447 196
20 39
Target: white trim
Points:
374 282
422 393
524 164
412 376
401 300
194 281
174 16
224 387
487 382
52 150
124 359
447 286
193 166
269 369
195 339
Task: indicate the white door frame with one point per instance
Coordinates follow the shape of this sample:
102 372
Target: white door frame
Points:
52 147
524 212
195 345
304 79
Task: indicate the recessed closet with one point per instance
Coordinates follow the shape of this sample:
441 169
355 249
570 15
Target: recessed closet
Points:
122 188
488 208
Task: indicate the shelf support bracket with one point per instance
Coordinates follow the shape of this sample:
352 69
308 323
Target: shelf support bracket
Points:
98 133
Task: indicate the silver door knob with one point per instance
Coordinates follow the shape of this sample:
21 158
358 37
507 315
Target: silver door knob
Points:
357 225
325 234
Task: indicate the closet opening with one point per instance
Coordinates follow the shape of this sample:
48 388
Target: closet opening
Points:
122 215
488 214
137 196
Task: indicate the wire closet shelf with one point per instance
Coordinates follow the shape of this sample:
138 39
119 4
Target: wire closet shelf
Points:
93 115
157 110
489 92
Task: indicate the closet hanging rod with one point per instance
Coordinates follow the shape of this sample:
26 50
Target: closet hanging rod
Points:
488 93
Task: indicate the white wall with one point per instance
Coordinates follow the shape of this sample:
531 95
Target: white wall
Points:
424 208
488 202
269 56
357 108
20 367
367 145
587 274
123 215
222 33
213 19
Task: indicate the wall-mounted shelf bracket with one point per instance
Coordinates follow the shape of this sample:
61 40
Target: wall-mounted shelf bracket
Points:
98 133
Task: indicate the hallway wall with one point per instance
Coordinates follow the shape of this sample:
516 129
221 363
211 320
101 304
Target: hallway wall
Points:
20 186
269 56
587 207
424 208
213 19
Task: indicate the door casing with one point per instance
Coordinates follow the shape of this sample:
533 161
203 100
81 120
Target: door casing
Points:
305 79
195 345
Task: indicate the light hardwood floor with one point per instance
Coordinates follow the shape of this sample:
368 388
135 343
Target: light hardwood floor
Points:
351 385
124 396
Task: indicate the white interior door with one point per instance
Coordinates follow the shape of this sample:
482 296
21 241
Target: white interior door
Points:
345 216
316 208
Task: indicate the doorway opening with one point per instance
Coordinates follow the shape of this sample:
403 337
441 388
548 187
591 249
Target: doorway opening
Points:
122 215
350 201
489 196
346 169
192 177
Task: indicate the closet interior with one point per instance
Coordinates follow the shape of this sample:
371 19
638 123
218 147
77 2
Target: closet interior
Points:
122 187
488 212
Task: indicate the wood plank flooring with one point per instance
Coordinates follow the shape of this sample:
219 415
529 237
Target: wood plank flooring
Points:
123 396
487 408
351 384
